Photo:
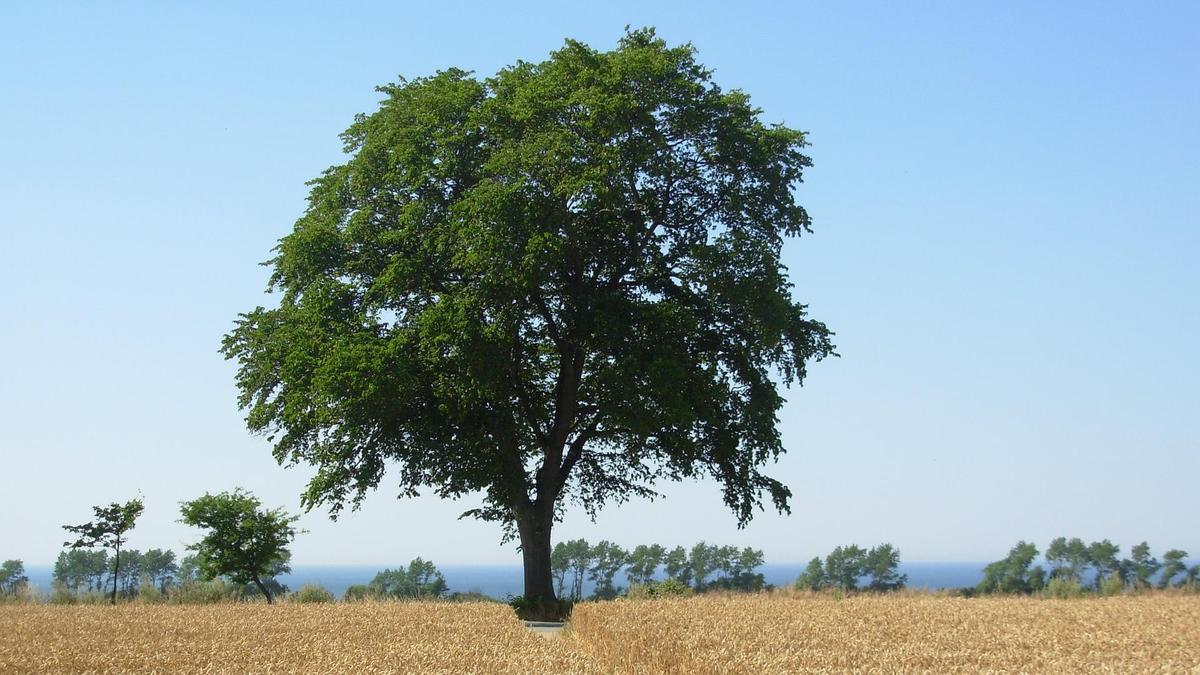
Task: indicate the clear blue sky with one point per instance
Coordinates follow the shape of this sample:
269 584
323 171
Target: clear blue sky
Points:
1006 200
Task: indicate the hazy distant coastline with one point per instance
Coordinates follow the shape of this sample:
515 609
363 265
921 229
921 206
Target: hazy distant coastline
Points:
500 581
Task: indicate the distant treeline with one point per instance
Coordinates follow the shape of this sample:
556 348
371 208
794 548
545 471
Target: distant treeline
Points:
704 567
1077 568
1072 568
421 579
81 573
847 566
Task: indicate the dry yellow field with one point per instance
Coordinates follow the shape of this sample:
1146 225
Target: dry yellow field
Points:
286 638
903 632
755 634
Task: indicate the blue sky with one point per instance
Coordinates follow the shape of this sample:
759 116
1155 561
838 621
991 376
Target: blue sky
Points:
1006 241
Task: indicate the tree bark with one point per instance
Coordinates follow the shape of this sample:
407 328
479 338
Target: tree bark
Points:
263 589
534 525
116 573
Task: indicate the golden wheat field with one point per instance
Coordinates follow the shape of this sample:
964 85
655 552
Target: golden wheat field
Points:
902 632
386 637
747 634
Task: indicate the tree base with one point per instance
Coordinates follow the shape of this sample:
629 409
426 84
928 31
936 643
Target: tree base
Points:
529 610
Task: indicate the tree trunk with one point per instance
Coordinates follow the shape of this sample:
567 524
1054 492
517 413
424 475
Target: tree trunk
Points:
116 572
533 525
263 589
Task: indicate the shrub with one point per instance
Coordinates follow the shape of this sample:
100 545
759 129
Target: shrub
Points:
1063 587
357 593
61 594
659 589
527 610
203 592
148 594
1112 585
470 596
312 593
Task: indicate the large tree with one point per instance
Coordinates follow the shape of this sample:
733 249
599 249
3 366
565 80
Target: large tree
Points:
558 283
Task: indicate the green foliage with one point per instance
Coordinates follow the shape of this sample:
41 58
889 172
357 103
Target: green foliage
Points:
312 593
80 568
1103 557
573 265
1191 578
108 530
212 591
61 594
574 557
189 569
1172 566
470 596
643 563
1112 585
882 565
667 588
421 579
736 569
129 574
1141 566
844 566
1067 558
244 542
159 568
813 578
704 562
1015 573
12 577
1063 586
357 593
607 559
678 567
535 610
149 594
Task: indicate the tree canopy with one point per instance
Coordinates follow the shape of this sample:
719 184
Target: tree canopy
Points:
245 542
12 577
108 530
559 283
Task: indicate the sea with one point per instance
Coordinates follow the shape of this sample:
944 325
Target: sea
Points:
503 581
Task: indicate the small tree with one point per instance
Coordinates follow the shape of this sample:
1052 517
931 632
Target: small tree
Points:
1067 558
245 542
1142 565
704 562
1103 556
70 570
677 566
575 557
159 567
607 559
644 561
882 565
737 569
1192 578
560 564
12 577
1173 566
813 578
845 565
108 531
130 575
420 580
1014 573
189 569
